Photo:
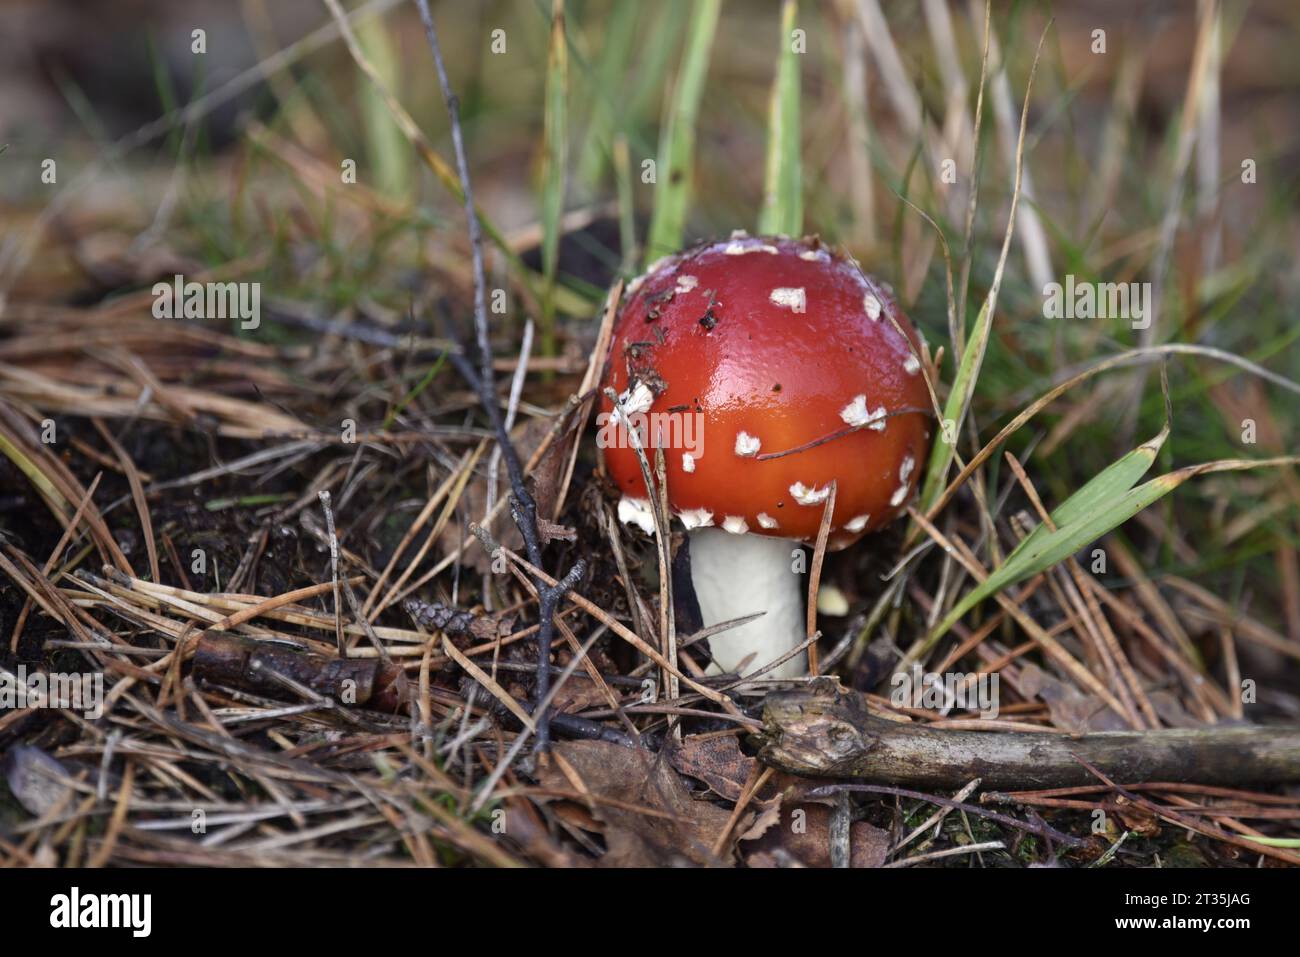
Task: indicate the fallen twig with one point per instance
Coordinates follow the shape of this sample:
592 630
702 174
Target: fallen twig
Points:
824 730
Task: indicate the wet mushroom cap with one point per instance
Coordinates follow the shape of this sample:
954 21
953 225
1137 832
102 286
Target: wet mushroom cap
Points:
771 343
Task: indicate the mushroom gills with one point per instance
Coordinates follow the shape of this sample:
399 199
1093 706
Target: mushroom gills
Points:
739 575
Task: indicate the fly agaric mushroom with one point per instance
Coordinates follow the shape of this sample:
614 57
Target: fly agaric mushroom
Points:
790 362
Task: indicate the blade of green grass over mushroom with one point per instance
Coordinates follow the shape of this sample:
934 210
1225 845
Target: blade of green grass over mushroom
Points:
782 212
673 168
555 156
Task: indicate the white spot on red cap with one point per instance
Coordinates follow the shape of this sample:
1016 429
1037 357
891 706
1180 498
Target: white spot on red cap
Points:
636 511
900 494
792 298
739 248
696 517
735 524
809 496
658 264
857 414
766 521
636 398
857 523
685 283
688 462
911 365
905 469
815 255
872 305
747 445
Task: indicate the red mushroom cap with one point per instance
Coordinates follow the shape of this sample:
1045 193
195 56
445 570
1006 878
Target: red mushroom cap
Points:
771 344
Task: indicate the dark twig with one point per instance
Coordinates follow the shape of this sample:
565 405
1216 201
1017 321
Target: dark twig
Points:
799 723
471 214
523 508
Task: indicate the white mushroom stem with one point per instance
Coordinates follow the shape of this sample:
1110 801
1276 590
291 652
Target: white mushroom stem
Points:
738 575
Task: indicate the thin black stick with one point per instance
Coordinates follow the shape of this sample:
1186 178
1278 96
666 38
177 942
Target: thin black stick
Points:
471 214
523 508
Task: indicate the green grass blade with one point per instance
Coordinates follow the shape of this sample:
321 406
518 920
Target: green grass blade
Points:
1054 546
386 149
783 177
554 160
626 203
1120 476
423 384
1111 507
1273 841
167 99
34 474
607 120
963 387
654 59
248 501
677 141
